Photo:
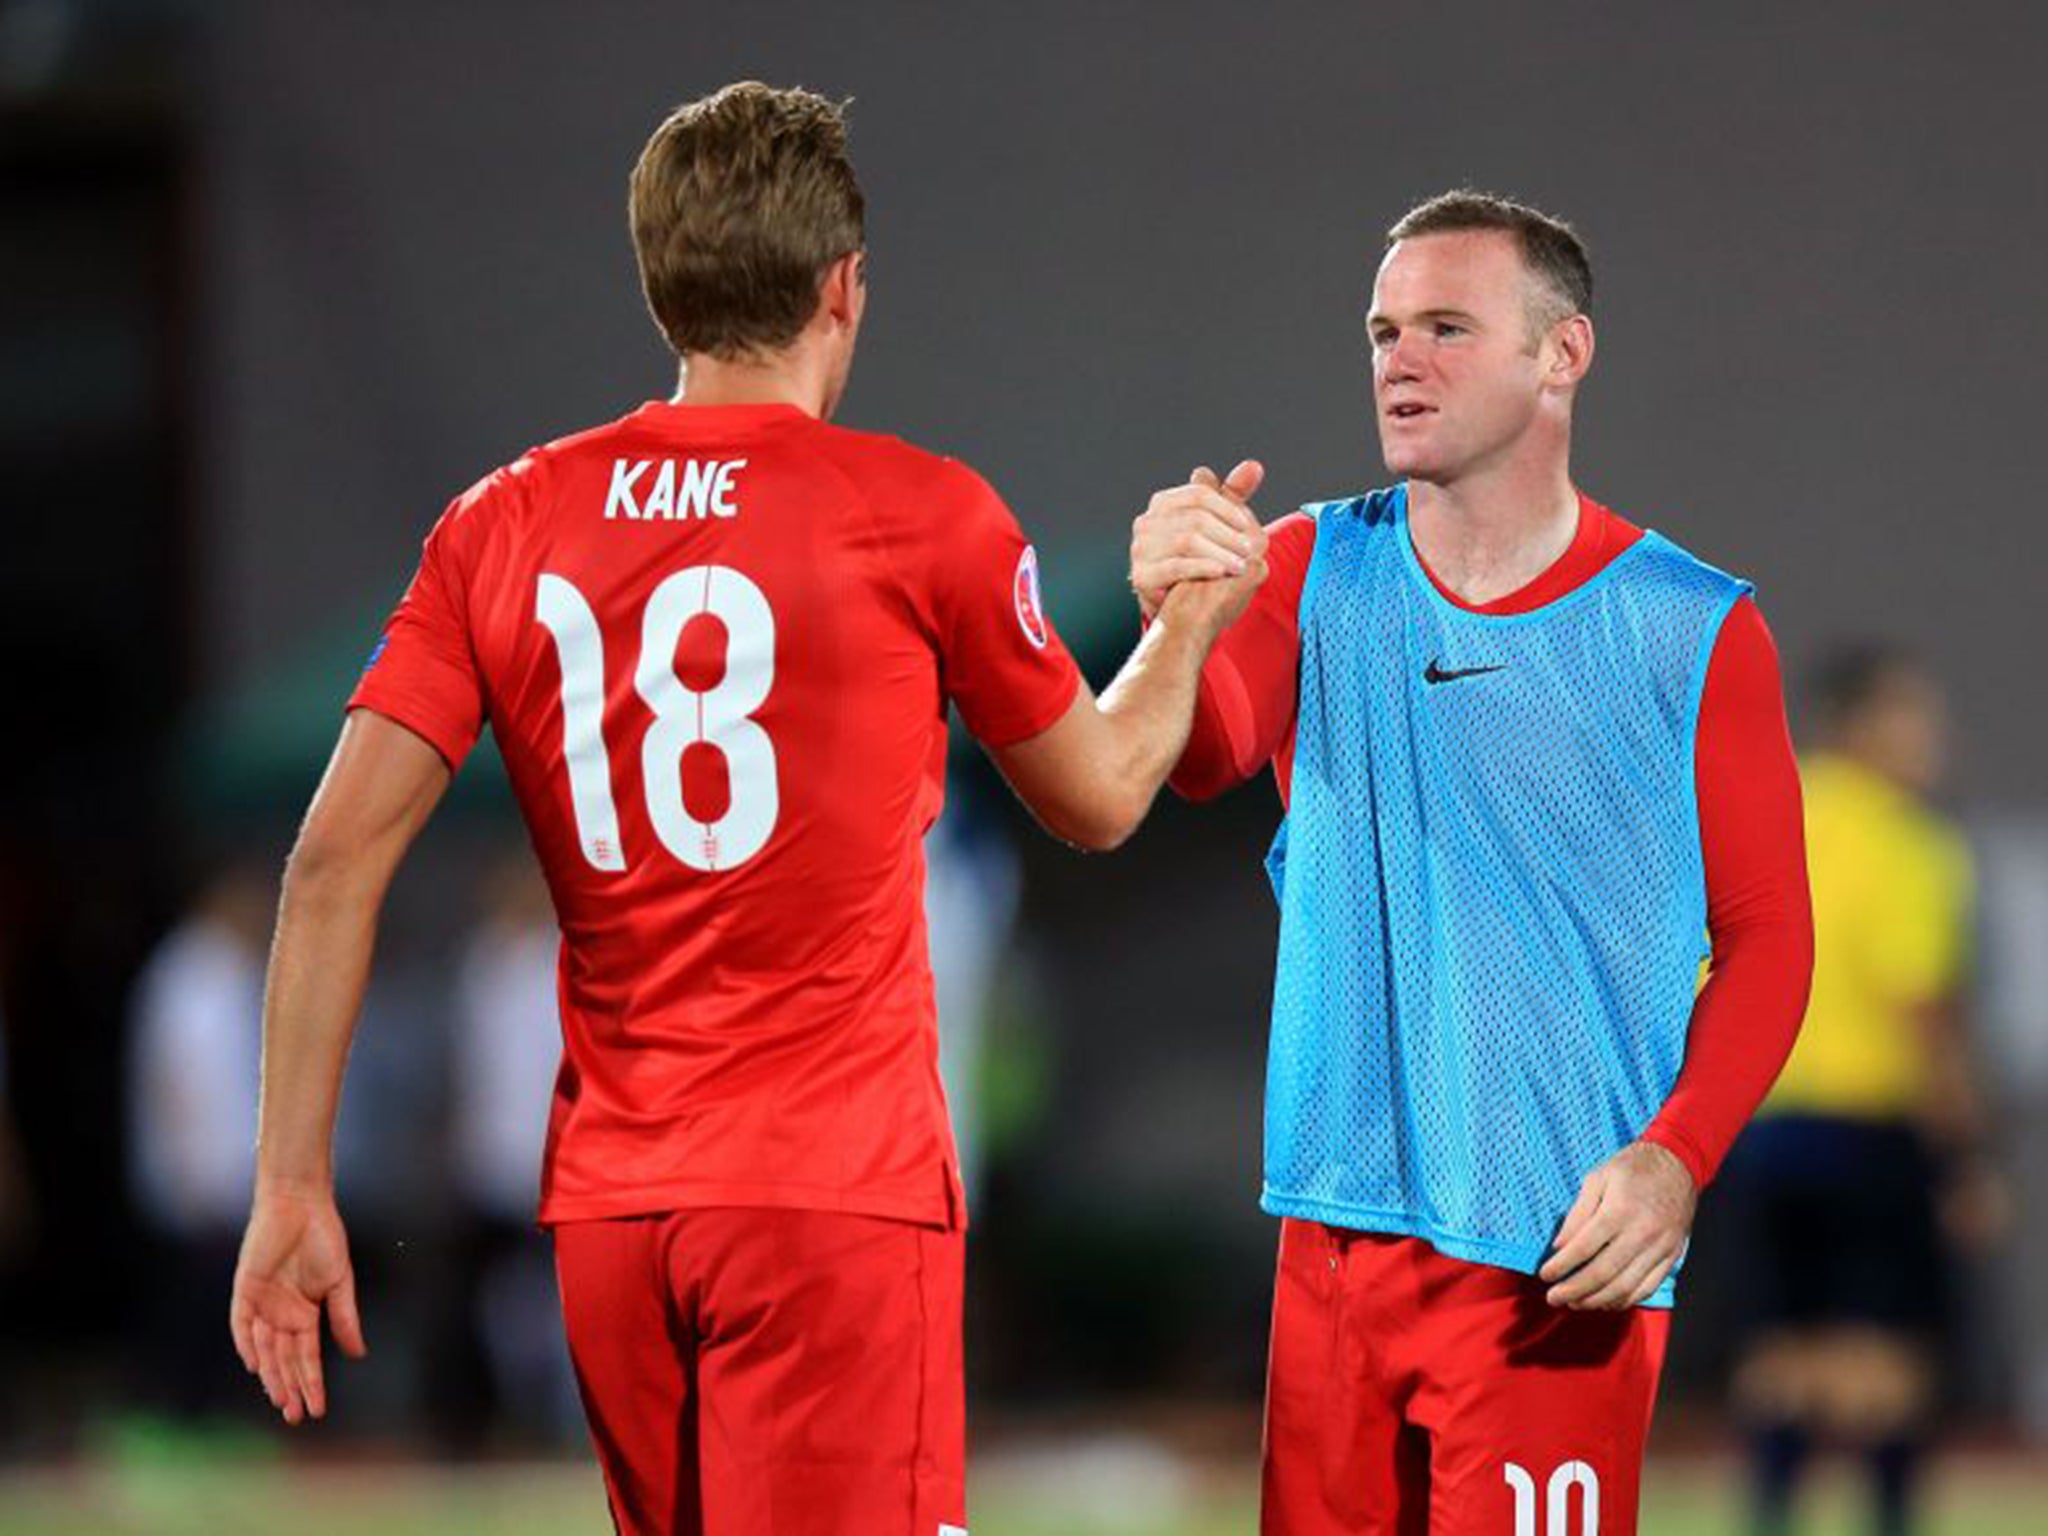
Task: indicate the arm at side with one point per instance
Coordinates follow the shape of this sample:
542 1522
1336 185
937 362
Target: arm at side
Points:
1759 912
380 787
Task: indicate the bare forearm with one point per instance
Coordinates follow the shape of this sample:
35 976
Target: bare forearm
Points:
1151 704
380 787
319 967
1091 778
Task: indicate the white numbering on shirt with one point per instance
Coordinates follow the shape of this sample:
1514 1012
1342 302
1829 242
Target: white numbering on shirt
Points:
1557 1522
720 716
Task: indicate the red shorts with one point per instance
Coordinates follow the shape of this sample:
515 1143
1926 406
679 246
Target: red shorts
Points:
1410 1394
770 1371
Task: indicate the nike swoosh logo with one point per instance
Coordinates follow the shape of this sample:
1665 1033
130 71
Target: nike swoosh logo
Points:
1437 673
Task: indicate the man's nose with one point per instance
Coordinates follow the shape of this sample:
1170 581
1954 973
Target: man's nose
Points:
1402 359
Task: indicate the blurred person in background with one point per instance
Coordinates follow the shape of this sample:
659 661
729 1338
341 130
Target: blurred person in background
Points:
1872 1145
501 1364
716 641
195 1033
971 887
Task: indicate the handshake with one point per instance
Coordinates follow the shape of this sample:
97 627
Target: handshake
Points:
1202 542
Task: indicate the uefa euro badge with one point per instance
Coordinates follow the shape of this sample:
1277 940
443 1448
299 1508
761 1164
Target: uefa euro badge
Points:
1030 607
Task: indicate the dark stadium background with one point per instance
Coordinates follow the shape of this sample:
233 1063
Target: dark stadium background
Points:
277 280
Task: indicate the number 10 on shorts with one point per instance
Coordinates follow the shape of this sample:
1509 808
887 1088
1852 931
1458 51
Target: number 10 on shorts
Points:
1558 1498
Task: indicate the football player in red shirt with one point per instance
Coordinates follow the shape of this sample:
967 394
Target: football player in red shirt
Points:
716 640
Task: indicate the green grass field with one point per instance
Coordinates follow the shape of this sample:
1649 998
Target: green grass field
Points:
1028 1497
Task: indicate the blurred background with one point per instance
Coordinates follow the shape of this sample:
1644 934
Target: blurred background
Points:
278 280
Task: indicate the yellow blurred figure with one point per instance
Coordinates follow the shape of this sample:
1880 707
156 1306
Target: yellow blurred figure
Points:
1871 1141
1891 904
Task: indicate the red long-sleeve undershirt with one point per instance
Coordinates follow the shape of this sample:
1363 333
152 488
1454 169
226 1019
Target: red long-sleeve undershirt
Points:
1752 840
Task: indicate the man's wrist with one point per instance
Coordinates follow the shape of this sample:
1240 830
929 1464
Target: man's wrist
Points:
1670 1156
294 1184
1203 603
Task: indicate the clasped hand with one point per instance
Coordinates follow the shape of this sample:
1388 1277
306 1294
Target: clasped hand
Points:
1201 531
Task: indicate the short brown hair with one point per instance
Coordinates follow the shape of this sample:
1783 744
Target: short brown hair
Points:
739 203
1551 249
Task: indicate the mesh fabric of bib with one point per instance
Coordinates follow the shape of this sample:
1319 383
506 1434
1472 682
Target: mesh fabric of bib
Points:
1492 901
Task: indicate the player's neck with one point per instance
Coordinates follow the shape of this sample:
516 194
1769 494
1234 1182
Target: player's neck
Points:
793 378
1487 535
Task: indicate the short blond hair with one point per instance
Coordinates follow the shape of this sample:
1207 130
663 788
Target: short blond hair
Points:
739 202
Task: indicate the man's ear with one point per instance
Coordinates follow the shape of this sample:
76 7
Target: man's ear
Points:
1570 351
843 293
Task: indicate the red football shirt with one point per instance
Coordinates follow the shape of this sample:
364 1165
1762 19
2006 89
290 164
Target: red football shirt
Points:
716 645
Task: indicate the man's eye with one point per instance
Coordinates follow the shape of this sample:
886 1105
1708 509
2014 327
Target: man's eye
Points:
1447 328
1383 338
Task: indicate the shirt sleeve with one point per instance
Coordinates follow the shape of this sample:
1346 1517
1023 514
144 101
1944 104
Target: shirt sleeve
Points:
1001 662
1759 911
1244 711
423 672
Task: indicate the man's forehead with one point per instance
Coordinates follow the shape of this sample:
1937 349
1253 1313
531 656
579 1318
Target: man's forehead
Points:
1456 269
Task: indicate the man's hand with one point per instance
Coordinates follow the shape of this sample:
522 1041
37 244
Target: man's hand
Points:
1196 532
294 1261
1091 776
1624 1232
1214 604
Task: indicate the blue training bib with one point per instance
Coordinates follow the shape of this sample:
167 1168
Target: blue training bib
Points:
1492 901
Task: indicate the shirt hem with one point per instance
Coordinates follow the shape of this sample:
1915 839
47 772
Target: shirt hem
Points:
1520 1257
696 1194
